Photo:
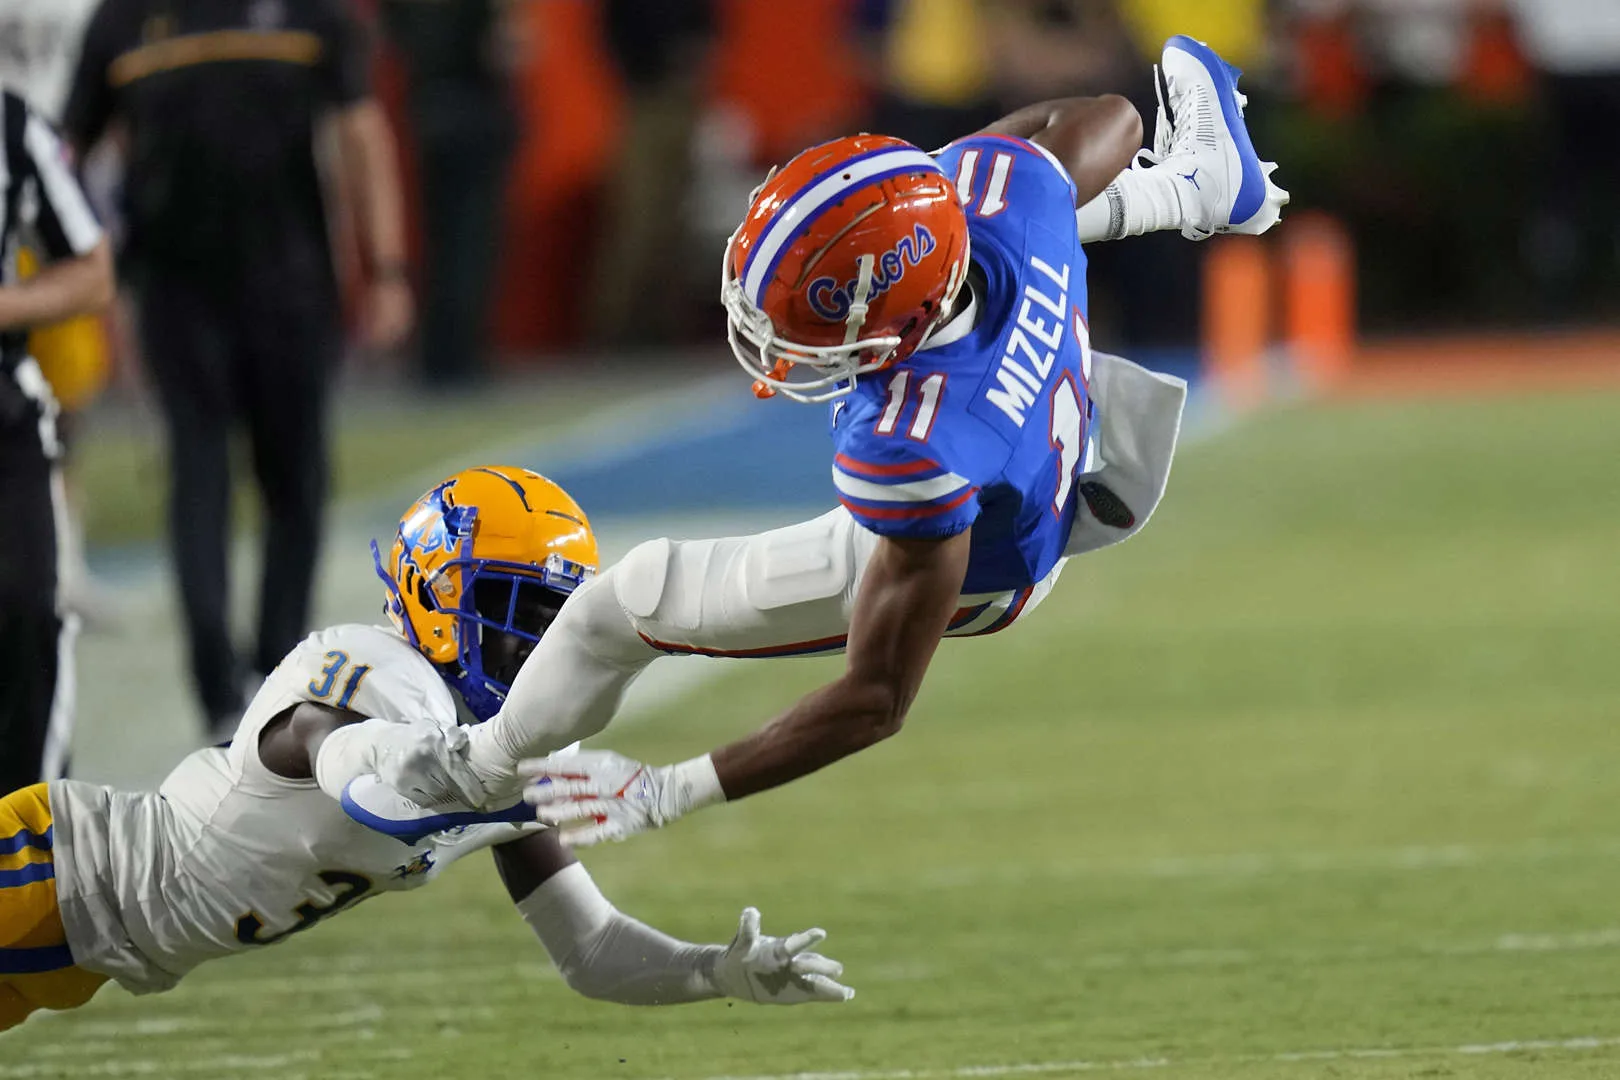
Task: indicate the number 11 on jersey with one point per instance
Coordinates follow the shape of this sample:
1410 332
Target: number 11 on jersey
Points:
928 392
1067 435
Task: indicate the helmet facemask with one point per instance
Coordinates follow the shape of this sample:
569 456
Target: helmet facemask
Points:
493 612
502 610
513 611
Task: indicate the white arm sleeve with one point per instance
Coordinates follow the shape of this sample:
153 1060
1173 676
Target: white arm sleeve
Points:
346 753
603 953
776 593
568 689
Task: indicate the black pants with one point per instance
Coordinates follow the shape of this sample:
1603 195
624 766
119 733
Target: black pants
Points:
1578 258
260 355
31 631
464 139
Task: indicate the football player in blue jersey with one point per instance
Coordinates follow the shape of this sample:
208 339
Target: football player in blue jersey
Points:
939 301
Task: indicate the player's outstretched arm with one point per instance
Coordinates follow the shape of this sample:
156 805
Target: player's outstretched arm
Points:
605 954
905 603
906 599
333 747
1094 137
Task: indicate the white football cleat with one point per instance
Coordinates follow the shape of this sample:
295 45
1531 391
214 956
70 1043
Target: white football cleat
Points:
1200 133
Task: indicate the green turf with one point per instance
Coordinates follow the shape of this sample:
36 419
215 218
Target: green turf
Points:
1313 779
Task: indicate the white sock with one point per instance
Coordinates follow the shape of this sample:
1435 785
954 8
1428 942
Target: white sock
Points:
1138 201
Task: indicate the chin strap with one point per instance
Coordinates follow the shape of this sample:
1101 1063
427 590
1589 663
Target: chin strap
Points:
858 305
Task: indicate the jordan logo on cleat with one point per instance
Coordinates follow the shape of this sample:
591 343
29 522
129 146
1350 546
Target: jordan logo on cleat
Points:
1191 178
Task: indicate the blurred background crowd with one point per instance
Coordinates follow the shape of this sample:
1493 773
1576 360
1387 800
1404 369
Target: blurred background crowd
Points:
571 169
574 166
1461 142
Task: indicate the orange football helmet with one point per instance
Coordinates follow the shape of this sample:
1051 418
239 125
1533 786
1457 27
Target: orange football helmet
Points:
848 257
479 568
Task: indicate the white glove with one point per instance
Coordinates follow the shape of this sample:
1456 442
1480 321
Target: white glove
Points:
778 971
428 766
423 762
597 795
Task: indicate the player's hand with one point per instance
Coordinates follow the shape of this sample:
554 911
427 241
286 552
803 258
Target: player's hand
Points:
426 764
778 971
597 795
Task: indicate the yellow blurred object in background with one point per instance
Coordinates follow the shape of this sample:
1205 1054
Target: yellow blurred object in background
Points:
73 354
936 52
1233 28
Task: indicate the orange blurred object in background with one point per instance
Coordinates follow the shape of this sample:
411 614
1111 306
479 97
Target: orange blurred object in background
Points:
1319 301
789 66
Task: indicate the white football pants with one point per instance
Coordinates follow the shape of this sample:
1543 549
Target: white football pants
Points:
786 592
790 591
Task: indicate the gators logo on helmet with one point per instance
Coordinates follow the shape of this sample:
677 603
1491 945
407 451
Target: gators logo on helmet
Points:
479 567
848 257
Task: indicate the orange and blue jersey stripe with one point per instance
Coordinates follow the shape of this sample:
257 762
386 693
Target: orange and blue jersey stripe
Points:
916 489
1010 616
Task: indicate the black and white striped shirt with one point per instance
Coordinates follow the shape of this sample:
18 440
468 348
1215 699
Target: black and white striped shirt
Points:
40 203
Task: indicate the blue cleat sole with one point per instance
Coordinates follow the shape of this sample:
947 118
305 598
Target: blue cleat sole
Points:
1251 196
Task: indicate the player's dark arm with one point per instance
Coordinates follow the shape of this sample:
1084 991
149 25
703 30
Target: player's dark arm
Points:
292 740
529 862
1094 137
905 603
333 747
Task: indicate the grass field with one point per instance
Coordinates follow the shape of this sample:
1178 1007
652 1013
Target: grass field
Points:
1316 778
119 464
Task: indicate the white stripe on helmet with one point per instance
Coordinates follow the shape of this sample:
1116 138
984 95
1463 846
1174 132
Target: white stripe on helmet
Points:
814 201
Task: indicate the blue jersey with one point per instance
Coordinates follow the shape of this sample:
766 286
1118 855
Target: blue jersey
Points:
990 424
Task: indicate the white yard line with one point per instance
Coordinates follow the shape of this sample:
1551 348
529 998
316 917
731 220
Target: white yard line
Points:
128 1066
1412 858
1043 1068
1215 956
276 1064
371 971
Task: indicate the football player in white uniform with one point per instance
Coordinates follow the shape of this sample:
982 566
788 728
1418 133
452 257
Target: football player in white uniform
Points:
246 845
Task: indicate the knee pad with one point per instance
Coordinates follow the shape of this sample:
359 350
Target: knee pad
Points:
673 589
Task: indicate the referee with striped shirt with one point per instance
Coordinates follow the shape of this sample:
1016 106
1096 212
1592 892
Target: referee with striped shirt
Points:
40 201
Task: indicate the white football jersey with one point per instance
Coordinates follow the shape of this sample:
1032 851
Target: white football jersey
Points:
228 857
